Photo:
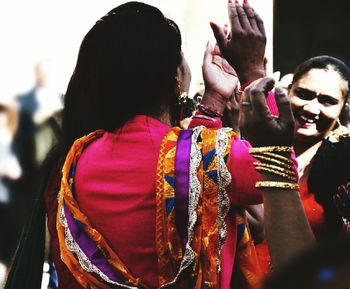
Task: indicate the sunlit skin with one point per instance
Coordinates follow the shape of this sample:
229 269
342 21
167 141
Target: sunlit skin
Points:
317 99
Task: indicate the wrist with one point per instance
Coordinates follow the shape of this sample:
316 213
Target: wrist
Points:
248 75
214 101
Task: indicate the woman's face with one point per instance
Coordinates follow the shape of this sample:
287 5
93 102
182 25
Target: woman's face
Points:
317 99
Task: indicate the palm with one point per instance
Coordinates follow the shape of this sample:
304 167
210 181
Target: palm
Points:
218 75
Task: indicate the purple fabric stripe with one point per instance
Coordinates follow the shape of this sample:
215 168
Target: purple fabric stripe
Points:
89 248
182 183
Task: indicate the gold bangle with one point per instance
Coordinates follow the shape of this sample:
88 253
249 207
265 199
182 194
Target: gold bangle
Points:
288 171
278 173
274 161
280 149
279 185
276 156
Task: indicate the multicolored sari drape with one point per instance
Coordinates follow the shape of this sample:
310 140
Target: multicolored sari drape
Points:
191 206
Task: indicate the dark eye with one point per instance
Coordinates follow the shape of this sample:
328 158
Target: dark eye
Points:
303 94
327 100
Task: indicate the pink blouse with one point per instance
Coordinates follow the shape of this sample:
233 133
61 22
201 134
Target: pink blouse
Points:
115 189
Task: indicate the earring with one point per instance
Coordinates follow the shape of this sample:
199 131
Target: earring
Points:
340 132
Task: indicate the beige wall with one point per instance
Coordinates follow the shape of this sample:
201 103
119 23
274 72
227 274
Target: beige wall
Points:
32 30
198 14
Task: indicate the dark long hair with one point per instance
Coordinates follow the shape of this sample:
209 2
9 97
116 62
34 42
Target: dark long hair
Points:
330 169
328 62
126 66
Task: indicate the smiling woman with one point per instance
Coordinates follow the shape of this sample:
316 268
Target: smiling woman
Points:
317 98
319 95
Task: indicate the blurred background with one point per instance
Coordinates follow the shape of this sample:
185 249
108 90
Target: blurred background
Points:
40 40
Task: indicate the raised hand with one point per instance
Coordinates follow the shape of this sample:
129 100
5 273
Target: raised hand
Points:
257 123
244 46
218 74
341 200
219 77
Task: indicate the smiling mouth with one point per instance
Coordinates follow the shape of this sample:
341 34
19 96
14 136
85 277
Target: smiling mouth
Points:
305 121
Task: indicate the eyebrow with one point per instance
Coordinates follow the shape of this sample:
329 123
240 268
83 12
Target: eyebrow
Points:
311 92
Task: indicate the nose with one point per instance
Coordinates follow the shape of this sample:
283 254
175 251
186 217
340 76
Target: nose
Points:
313 107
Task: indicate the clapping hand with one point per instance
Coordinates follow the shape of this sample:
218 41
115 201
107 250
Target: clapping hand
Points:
257 123
244 46
219 77
218 74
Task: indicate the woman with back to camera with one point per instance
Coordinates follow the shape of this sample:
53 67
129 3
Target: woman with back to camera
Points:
145 205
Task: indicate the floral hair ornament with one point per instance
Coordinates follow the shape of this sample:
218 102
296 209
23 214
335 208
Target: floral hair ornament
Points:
185 106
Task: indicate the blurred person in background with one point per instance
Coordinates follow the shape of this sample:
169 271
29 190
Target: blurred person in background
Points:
37 106
10 172
38 129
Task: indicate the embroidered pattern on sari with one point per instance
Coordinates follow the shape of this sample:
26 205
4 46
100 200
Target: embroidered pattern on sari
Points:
208 205
250 272
190 213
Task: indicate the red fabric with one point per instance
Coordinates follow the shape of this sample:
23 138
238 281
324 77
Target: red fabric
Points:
115 188
315 215
314 212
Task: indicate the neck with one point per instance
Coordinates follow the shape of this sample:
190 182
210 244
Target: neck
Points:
301 147
164 117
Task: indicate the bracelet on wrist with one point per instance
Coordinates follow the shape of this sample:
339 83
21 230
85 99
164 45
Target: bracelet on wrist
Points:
279 149
209 111
279 185
273 162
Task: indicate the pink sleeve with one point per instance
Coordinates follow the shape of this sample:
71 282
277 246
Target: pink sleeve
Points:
242 189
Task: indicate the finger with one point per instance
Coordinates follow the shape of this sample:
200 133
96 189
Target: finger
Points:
342 189
283 104
234 99
258 92
220 36
251 15
342 196
338 203
233 16
243 18
245 107
216 50
260 24
225 28
344 192
207 54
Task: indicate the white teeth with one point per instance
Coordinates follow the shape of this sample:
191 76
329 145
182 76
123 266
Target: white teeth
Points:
309 120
